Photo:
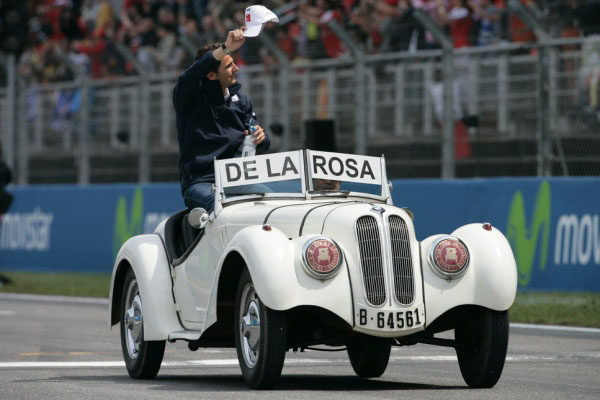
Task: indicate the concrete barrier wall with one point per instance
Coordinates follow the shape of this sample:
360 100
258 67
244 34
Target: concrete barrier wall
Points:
552 224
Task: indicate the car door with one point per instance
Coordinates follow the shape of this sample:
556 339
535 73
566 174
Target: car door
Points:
193 283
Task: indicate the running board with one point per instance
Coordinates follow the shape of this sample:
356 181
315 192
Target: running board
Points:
185 335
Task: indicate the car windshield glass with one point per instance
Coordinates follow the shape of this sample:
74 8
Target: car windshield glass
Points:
333 186
261 189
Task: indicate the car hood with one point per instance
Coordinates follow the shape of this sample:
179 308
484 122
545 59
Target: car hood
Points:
297 219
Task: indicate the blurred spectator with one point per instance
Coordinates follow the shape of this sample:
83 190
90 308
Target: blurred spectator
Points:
164 34
459 18
400 30
488 19
211 30
589 18
168 55
518 30
322 40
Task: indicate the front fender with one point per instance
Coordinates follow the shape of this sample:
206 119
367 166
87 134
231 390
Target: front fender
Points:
275 265
490 280
145 254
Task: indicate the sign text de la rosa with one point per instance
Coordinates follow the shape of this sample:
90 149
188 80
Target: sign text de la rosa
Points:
288 166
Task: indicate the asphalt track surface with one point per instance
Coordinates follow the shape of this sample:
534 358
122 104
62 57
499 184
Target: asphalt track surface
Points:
57 348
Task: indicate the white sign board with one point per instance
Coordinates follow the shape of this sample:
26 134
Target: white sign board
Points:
344 167
260 169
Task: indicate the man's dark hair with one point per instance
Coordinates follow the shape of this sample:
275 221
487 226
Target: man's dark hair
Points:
204 49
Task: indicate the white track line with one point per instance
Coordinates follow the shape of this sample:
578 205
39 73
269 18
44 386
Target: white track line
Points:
53 299
555 328
234 362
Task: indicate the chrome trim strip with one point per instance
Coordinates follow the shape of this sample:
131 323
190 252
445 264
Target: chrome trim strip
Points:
370 253
402 261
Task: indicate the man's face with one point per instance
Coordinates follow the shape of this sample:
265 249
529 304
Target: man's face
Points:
226 72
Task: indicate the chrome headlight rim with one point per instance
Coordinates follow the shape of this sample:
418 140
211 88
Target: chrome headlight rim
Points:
439 271
310 270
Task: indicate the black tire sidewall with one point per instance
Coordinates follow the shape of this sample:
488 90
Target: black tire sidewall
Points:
147 363
262 375
369 359
481 347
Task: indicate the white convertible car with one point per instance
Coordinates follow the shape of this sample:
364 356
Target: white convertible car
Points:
305 249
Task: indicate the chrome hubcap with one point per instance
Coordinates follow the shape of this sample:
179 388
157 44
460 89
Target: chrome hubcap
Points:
133 320
250 326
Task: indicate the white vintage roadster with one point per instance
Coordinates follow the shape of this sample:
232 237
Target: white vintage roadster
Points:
312 253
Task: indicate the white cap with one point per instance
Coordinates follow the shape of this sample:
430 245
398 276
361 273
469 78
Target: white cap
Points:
256 16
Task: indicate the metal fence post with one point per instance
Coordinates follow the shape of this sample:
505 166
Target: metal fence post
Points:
544 155
544 148
502 77
284 92
83 173
84 155
399 100
144 148
360 136
428 74
360 128
143 114
22 145
448 160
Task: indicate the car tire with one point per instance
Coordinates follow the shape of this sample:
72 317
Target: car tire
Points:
481 343
369 359
260 337
142 358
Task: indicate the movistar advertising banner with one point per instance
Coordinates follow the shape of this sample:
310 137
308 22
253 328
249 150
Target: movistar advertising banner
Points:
552 224
79 228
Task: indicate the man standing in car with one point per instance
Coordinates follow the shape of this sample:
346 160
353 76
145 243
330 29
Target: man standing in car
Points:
212 118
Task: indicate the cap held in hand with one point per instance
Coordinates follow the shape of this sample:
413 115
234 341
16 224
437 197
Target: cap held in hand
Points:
256 16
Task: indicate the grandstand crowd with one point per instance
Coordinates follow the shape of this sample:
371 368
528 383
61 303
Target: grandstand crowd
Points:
162 35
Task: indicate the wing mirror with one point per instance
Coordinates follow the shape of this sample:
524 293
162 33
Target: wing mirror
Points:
198 218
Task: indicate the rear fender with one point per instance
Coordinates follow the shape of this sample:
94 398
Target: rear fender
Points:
145 254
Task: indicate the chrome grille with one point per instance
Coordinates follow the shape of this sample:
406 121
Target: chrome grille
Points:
369 244
404 285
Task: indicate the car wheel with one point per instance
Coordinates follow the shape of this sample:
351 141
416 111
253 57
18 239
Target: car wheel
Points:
260 337
481 342
369 359
142 358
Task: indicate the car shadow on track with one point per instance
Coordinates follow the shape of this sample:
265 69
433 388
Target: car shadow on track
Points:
235 383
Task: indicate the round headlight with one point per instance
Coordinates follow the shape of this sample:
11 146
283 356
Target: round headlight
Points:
449 257
322 257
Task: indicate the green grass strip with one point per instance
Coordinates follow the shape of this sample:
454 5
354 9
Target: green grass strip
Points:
557 308
553 308
64 284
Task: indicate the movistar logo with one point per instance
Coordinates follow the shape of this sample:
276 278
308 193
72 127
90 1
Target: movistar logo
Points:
128 226
524 238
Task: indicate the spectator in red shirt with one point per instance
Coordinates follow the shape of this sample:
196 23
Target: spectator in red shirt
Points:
460 20
320 14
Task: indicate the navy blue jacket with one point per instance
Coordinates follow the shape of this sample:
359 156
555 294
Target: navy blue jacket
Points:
208 127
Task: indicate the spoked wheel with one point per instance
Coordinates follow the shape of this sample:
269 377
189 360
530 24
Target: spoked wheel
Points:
260 337
369 359
481 343
142 358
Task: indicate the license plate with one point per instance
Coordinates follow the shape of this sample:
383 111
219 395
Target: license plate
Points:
389 320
